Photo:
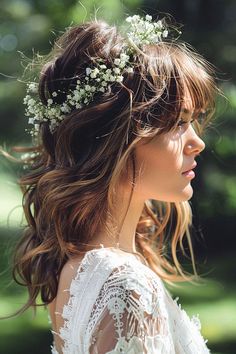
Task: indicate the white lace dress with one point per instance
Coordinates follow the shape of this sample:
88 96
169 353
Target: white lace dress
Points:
119 305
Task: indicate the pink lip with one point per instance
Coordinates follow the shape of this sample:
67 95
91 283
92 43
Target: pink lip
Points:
190 173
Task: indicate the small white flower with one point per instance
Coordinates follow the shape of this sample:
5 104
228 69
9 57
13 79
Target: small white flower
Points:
94 73
159 24
50 101
105 77
120 78
31 102
54 94
26 99
117 61
33 87
53 111
133 19
31 110
124 57
77 96
25 156
31 120
88 71
130 70
165 34
128 19
117 70
104 83
65 108
87 88
148 18
122 64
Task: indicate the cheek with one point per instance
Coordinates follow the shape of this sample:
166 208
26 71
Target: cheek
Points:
159 158
159 169
147 163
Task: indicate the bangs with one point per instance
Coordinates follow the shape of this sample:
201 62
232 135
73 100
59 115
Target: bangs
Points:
196 80
177 77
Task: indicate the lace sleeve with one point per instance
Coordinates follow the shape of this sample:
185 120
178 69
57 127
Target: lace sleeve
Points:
129 318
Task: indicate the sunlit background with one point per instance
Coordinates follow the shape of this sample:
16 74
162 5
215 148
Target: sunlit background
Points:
210 26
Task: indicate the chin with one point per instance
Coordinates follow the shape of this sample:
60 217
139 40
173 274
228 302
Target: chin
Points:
182 196
175 195
187 193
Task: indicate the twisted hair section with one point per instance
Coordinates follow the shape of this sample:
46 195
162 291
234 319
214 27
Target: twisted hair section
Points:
68 190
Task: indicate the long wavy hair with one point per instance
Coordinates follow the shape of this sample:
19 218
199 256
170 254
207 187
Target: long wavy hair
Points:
68 190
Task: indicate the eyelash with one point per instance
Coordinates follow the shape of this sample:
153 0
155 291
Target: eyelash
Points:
182 122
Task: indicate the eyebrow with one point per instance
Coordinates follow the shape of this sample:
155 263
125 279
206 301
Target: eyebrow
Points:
187 111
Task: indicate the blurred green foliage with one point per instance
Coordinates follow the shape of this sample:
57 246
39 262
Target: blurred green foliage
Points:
31 26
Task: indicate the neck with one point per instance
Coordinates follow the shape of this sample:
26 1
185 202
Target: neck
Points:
126 224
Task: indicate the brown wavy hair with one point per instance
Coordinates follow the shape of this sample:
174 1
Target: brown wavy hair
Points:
68 188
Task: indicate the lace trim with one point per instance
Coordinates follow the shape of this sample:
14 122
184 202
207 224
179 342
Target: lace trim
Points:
155 345
194 326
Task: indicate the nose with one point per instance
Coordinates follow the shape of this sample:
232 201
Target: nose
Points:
194 144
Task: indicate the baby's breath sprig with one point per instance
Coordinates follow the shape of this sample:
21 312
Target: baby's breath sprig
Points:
96 80
144 31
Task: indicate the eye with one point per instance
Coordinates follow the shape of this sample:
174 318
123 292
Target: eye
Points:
182 122
202 116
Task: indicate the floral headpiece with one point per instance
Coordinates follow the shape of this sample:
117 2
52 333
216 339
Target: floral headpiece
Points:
97 79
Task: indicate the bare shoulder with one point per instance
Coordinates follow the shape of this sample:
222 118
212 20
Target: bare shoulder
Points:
68 273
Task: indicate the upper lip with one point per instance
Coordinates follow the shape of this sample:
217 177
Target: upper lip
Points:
191 167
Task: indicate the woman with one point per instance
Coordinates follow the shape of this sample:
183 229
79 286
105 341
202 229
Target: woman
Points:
116 122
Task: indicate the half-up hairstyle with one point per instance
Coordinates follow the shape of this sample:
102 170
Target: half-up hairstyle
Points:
68 190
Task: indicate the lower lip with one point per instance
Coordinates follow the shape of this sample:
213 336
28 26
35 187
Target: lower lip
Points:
189 174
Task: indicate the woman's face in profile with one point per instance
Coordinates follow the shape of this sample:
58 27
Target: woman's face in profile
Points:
165 164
